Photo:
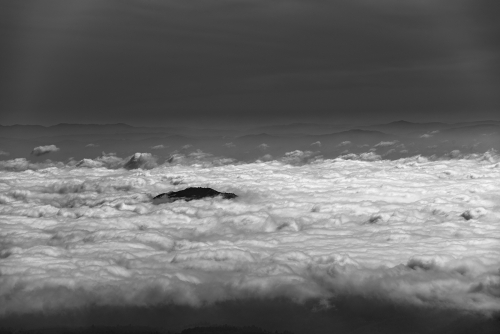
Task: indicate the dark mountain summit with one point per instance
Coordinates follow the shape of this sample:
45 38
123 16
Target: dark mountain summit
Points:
190 194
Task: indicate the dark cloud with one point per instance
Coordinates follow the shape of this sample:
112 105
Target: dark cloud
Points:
221 61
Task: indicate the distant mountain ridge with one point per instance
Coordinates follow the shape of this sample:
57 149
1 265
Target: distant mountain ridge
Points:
400 127
391 140
408 128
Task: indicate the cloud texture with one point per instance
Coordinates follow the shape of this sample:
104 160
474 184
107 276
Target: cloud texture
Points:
410 232
41 150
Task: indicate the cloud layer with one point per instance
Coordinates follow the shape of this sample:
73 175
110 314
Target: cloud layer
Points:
410 232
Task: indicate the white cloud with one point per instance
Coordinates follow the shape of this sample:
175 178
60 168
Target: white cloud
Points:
366 156
92 145
158 147
89 163
263 146
317 143
265 157
199 158
141 160
229 145
430 134
386 143
110 160
455 154
21 164
369 156
300 157
4 153
345 143
107 160
41 150
411 231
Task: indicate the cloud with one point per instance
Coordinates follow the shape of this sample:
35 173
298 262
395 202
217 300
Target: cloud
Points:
265 157
386 143
141 160
344 143
455 154
110 160
22 164
199 158
89 163
229 145
317 143
92 145
392 150
41 150
107 160
4 153
370 156
158 147
309 228
300 157
352 227
367 156
430 134
263 146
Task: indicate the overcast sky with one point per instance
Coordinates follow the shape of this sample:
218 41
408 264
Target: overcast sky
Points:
223 62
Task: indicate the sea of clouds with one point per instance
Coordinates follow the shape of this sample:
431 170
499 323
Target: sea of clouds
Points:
411 231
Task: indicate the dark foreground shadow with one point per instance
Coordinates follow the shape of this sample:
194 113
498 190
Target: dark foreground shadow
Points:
345 315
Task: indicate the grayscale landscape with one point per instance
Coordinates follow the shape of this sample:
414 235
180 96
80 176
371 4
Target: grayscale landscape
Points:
249 167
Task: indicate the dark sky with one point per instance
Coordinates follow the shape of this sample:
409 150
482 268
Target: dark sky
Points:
222 62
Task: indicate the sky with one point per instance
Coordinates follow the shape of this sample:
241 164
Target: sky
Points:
240 62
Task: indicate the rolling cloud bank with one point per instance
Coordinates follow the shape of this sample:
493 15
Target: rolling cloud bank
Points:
412 232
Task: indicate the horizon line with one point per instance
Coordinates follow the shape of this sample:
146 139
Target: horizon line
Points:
255 126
